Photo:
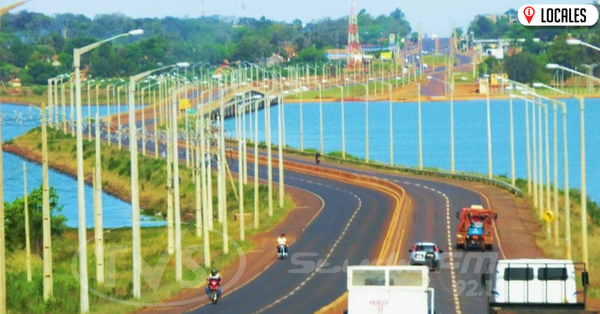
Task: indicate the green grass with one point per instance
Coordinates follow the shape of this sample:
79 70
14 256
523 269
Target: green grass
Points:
26 297
559 252
436 61
351 91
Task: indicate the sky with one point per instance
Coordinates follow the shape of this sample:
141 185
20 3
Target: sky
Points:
434 16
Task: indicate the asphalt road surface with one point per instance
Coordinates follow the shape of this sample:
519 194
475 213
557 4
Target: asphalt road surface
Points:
348 231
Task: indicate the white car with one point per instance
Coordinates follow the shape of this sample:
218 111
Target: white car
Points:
425 253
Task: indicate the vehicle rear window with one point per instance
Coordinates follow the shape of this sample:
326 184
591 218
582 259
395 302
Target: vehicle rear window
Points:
552 273
426 248
524 274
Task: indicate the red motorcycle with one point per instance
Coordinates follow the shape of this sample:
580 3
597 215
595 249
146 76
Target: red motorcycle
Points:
213 286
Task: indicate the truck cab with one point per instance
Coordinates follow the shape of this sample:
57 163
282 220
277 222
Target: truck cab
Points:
475 229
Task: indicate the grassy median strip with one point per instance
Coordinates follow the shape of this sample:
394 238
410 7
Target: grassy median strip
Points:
158 275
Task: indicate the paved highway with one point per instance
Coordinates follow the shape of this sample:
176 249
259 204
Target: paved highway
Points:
348 230
283 288
434 206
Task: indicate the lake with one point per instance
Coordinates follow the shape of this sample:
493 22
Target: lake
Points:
470 135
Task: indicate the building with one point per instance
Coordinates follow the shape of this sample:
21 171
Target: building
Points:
16 82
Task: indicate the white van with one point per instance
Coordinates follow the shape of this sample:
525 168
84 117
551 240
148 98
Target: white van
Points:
535 282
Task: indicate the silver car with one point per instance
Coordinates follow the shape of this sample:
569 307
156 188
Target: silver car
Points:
425 253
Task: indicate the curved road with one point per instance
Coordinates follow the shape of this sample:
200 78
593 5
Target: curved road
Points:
348 231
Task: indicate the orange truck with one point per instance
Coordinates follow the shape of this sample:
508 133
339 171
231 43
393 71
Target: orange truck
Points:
475 229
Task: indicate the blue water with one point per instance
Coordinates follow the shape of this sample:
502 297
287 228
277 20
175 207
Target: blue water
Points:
470 135
20 119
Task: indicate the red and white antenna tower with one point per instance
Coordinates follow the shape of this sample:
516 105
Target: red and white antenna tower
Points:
354 54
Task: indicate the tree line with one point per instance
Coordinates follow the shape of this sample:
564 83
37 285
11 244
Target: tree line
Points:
29 40
526 59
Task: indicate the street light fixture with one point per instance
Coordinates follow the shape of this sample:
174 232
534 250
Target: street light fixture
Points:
575 42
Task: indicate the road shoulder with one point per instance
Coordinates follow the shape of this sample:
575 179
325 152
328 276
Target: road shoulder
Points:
308 206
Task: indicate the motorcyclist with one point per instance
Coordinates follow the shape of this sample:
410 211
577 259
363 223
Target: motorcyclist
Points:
214 275
318 158
282 240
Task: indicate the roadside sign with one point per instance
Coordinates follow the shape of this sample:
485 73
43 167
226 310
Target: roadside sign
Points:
549 215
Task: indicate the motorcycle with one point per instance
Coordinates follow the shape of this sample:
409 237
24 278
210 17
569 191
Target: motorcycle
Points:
213 286
318 158
282 254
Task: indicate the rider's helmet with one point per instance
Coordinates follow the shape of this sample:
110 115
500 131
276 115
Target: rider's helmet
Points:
213 272
283 235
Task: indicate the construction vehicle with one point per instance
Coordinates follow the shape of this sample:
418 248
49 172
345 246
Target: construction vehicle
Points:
475 229
389 289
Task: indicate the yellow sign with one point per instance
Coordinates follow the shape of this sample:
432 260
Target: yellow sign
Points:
549 215
386 56
184 104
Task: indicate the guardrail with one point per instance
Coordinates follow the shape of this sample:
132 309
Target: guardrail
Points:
430 173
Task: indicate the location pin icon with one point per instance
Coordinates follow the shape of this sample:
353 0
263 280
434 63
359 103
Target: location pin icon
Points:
529 12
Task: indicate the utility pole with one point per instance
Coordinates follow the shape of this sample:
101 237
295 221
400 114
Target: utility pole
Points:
534 158
143 123
56 103
512 138
301 121
64 110
223 168
198 184
187 139
540 163
321 118
89 117
27 238
367 123
528 146
98 227
50 99
420 127
269 154
72 96
281 174
119 135
205 187
244 144
210 215
170 230
547 166
178 266
221 162
46 212
108 115
256 171
555 167
135 201
489 127
241 179
155 126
